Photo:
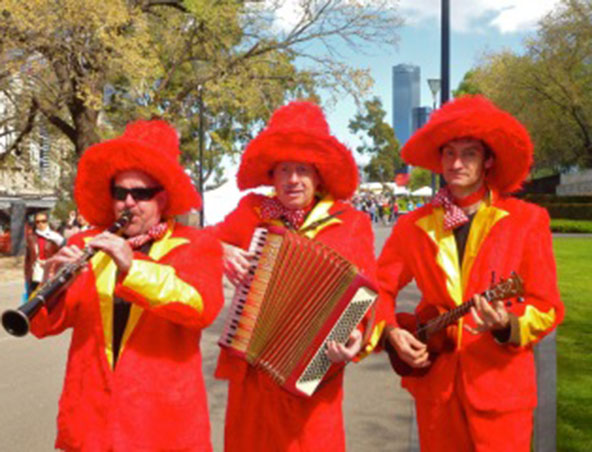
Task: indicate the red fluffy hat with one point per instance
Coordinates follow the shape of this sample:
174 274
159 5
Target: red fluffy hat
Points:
475 117
299 132
148 146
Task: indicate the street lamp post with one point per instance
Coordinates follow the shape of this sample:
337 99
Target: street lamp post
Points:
434 84
445 53
201 149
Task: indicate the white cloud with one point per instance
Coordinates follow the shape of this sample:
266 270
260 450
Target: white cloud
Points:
508 16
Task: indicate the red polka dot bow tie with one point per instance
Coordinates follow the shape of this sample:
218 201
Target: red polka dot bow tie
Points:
273 209
454 216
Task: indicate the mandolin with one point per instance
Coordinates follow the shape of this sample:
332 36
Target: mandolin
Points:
437 329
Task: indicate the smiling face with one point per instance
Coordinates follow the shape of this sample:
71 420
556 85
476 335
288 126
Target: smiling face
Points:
295 183
464 164
146 212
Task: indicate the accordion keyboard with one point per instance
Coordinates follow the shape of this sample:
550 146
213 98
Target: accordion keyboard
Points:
237 305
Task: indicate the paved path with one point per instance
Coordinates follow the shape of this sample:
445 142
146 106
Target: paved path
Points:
377 410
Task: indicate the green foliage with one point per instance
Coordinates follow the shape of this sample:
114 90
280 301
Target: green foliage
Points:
564 207
382 146
571 211
572 226
128 59
420 177
548 87
467 85
574 345
555 199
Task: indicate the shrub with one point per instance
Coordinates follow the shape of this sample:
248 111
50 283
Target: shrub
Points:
578 226
573 211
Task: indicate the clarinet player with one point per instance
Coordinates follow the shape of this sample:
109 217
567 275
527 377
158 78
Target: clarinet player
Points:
312 174
133 379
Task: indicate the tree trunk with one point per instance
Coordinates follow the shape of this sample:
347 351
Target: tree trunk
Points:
85 122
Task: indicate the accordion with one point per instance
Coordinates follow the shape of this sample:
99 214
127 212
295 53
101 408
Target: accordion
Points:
299 295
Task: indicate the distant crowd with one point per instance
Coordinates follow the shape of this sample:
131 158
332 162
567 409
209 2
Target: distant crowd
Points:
385 207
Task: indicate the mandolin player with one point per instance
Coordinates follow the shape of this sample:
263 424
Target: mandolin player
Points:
479 393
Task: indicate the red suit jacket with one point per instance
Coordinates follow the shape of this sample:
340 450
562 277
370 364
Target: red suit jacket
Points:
506 235
260 415
154 399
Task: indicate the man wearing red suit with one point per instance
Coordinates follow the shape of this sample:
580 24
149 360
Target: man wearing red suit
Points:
312 173
134 378
480 395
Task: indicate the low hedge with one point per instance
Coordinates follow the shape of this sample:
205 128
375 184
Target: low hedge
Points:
577 226
579 211
538 198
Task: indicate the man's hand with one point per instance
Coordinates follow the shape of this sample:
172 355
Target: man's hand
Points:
408 347
488 317
338 353
65 255
116 247
237 263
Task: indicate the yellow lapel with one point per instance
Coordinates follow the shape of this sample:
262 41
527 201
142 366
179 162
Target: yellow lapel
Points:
447 256
486 217
105 272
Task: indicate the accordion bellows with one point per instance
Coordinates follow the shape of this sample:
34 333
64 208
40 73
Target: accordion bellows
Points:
299 295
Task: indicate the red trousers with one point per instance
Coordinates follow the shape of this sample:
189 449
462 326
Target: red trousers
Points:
455 426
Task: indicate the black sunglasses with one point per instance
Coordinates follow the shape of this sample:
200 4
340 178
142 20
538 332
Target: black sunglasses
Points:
138 193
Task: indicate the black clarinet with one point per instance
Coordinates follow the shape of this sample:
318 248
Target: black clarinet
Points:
17 321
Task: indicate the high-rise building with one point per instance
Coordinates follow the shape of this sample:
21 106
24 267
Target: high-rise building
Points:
406 97
420 116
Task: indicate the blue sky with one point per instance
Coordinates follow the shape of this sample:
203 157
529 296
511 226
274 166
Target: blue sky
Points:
478 26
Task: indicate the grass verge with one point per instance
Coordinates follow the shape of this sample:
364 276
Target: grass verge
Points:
574 345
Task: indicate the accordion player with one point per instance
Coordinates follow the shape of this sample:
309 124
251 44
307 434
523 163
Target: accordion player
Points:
320 292
313 175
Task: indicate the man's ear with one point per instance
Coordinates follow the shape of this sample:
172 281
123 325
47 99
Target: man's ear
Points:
488 164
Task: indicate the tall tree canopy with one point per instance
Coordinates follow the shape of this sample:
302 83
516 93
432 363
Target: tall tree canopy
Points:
549 87
88 68
378 142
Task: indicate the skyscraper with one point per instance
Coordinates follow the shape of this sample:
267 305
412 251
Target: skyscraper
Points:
406 97
420 116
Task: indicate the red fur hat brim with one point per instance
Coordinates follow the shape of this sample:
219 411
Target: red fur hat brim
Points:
333 161
475 117
101 162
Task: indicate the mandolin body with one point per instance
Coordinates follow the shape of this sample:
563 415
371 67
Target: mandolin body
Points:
438 342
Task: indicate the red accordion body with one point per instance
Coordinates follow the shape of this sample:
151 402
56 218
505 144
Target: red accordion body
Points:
299 295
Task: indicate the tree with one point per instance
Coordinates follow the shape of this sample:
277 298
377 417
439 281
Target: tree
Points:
59 56
419 177
467 85
119 59
382 147
548 88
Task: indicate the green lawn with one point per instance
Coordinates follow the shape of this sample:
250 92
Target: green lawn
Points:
574 344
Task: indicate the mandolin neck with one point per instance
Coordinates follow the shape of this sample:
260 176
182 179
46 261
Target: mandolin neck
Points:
448 318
